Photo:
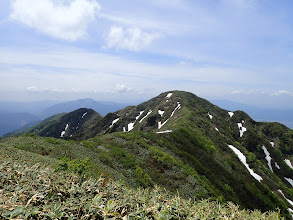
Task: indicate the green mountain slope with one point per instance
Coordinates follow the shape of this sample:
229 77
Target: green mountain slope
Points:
65 125
48 191
184 144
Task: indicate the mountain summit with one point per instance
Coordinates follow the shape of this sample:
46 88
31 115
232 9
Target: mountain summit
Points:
187 145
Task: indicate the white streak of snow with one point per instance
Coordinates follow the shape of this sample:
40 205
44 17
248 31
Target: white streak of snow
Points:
124 129
231 114
130 126
241 128
242 158
140 113
161 132
177 107
288 200
113 122
268 157
169 95
149 112
216 129
210 116
277 166
239 125
83 115
289 180
160 124
161 113
288 163
63 132
272 143
291 211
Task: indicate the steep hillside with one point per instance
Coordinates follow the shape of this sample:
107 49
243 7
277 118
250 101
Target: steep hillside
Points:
65 125
46 189
184 144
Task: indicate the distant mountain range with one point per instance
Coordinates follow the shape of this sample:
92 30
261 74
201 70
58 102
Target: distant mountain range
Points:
284 116
15 115
101 107
12 121
178 141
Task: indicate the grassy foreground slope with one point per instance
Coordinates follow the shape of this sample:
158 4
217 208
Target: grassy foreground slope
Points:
37 187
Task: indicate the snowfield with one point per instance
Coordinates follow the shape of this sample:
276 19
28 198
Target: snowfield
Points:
289 180
210 116
231 114
288 162
83 115
242 158
268 157
162 132
113 122
241 128
149 112
63 132
169 95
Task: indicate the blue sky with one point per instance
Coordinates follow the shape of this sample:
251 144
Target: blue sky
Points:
132 50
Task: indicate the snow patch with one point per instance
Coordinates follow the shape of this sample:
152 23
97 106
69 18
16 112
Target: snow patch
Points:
242 158
277 166
149 112
268 157
289 180
161 132
130 126
216 129
161 113
63 132
231 114
83 115
291 211
124 129
140 113
241 128
113 122
210 116
288 163
177 107
160 124
272 143
288 200
169 95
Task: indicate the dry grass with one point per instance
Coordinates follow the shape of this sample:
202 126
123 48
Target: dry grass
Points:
37 192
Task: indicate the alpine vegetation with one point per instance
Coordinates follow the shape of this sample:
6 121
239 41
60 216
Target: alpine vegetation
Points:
175 156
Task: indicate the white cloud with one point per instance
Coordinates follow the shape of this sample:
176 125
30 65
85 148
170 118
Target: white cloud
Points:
121 88
56 18
36 89
283 92
133 39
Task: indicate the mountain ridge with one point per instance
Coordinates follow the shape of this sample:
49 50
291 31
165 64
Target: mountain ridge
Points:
183 142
